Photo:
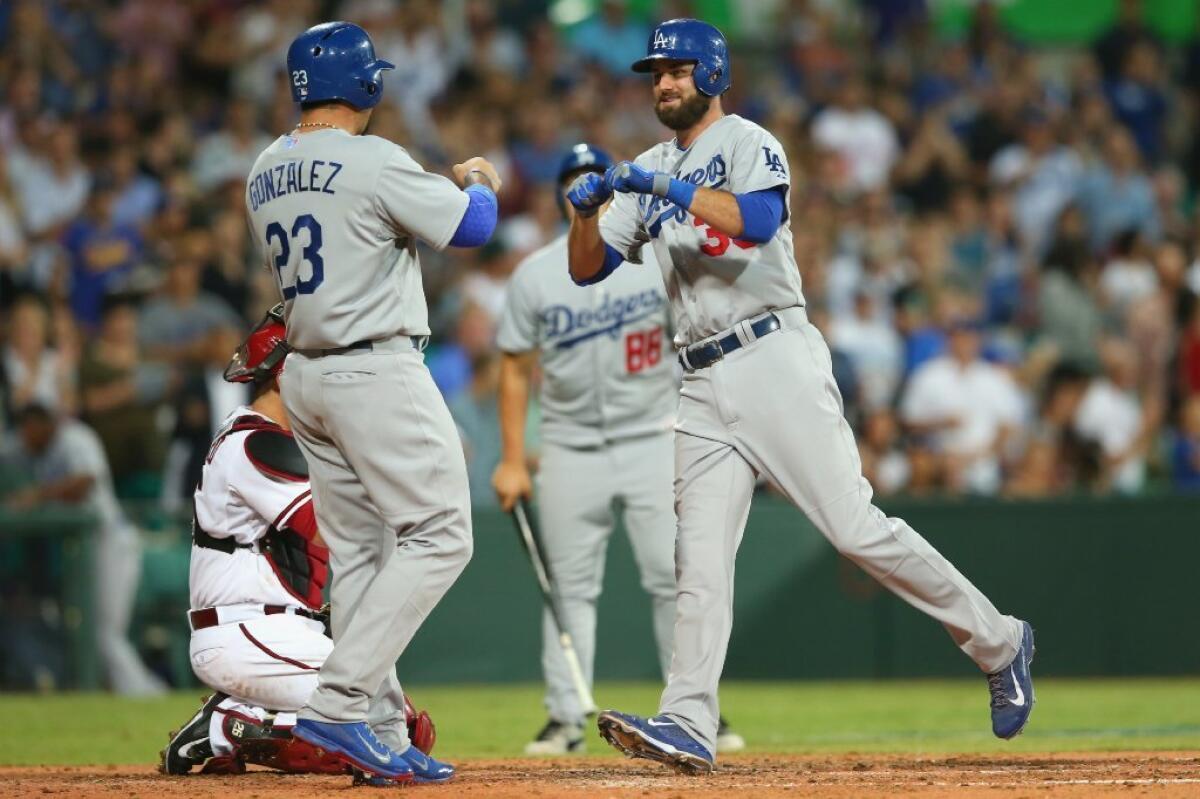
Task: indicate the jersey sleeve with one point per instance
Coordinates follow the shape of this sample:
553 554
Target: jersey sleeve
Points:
757 162
414 202
621 226
518 331
85 453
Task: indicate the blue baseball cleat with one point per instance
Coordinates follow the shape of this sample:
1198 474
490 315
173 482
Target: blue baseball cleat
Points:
1012 690
355 743
425 771
656 738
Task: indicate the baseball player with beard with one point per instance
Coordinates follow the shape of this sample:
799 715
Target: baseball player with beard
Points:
338 214
258 568
758 395
608 401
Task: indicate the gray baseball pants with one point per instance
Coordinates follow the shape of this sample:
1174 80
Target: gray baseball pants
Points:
389 486
577 491
773 408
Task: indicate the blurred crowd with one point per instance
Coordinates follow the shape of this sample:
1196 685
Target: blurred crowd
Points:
998 241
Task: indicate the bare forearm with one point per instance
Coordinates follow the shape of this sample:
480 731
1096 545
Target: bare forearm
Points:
585 248
513 403
719 210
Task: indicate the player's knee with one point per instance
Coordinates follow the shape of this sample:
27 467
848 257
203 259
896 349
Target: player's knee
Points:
854 526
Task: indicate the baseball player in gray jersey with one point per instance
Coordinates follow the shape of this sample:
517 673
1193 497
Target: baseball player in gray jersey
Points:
608 403
758 395
338 214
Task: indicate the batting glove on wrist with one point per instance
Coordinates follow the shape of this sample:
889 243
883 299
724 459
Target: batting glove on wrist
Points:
629 177
588 192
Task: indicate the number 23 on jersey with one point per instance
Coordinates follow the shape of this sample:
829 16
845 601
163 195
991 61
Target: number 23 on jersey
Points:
310 253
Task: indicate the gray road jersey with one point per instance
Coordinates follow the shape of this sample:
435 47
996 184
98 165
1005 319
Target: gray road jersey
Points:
608 372
338 217
713 282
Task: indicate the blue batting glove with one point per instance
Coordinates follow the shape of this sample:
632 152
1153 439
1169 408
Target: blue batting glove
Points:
588 192
627 176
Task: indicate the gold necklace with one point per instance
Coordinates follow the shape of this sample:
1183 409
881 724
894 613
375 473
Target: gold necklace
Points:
316 125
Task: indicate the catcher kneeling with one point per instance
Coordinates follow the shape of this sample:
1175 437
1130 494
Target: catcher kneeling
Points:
258 568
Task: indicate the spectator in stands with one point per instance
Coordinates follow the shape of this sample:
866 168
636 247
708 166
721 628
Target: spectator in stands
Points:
611 38
137 196
120 394
13 249
1069 313
874 348
1128 31
49 176
1116 195
884 463
102 254
228 153
965 409
1189 351
862 138
65 463
34 372
1138 102
182 325
1185 447
1111 416
1043 176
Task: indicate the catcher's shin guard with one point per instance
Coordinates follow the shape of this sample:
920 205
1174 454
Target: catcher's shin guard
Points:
265 745
189 745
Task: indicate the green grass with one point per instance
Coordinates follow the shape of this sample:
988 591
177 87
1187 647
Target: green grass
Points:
922 717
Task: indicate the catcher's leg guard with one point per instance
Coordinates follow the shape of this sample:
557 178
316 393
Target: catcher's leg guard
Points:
265 745
189 745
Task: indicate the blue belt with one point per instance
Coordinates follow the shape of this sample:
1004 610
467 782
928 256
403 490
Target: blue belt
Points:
705 354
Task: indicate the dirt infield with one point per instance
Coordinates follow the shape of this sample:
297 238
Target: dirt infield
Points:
1168 774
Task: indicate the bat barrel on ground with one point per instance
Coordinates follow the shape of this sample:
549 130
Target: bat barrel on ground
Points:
531 540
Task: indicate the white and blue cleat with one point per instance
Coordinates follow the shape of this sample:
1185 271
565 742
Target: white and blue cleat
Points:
658 738
355 742
1012 690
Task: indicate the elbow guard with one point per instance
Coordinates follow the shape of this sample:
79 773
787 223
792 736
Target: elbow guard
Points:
479 221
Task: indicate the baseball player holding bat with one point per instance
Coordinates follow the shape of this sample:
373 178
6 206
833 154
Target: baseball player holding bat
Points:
258 567
608 400
758 395
338 215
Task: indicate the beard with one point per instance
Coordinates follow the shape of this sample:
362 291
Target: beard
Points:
686 114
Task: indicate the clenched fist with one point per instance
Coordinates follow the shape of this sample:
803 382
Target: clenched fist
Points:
484 168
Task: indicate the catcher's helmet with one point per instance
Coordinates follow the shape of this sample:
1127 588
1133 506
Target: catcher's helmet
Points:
583 157
691 40
336 61
260 356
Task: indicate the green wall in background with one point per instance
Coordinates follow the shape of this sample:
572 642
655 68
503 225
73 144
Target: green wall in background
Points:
1110 585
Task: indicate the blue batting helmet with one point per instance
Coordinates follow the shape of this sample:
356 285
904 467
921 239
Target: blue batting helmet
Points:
691 40
336 61
582 157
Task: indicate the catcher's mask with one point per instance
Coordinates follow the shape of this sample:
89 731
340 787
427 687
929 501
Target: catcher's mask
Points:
260 357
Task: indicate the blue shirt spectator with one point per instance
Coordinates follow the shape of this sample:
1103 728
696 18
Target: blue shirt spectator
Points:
1116 196
1138 102
101 254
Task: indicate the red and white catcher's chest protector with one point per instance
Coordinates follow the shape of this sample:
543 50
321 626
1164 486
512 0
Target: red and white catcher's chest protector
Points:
254 521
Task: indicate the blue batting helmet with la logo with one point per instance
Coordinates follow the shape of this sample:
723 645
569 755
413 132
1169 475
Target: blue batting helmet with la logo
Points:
695 41
336 61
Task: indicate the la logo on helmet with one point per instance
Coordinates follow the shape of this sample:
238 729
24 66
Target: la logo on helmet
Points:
660 40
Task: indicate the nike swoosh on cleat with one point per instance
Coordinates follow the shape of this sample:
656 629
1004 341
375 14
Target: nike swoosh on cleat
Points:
384 758
1020 700
654 723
